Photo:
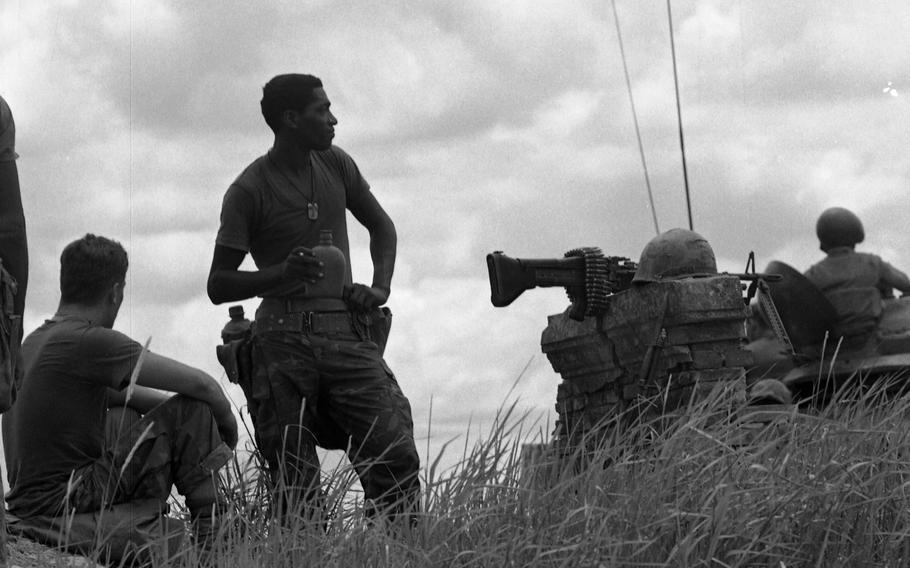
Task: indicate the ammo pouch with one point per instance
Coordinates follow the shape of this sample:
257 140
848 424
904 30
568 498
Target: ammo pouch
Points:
10 341
374 326
236 356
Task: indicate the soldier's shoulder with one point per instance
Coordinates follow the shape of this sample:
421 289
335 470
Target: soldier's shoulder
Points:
867 258
252 176
335 155
815 267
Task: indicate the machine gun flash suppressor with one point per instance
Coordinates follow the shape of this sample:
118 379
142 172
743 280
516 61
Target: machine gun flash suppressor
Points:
587 275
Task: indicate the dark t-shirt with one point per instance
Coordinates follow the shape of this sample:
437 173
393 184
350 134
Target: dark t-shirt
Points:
845 268
266 214
854 283
57 422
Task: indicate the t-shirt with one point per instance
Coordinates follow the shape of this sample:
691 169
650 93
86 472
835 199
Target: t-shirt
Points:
854 283
845 268
7 133
266 214
57 422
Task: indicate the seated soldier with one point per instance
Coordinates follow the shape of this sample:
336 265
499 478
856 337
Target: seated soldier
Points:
71 484
854 282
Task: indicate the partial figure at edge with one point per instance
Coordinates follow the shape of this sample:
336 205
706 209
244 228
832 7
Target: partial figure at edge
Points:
13 260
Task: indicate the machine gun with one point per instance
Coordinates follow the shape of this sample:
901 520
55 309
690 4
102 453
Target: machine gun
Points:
588 276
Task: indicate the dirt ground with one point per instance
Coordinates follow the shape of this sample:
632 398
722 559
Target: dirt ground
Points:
24 553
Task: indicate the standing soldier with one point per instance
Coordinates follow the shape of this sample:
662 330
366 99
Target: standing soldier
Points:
318 370
854 282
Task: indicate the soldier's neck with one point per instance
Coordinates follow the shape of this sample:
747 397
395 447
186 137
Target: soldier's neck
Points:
289 155
97 314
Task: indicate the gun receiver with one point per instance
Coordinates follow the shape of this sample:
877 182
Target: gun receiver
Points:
585 273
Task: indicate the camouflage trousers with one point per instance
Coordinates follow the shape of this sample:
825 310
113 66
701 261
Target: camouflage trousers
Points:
333 389
118 503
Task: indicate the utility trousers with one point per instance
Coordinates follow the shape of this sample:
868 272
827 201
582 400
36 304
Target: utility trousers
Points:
318 380
118 503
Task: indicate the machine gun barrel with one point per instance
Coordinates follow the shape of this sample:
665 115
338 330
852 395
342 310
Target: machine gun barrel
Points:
509 277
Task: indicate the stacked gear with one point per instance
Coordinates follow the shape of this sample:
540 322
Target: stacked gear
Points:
676 336
666 343
838 227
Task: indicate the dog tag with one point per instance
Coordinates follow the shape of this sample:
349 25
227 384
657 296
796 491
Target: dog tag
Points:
312 211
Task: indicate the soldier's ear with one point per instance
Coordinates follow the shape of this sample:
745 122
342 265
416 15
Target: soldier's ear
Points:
289 118
116 293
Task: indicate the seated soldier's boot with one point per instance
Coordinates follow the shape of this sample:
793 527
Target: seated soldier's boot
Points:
206 521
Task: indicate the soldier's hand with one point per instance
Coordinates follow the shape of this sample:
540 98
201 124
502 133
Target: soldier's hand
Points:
365 297
302 264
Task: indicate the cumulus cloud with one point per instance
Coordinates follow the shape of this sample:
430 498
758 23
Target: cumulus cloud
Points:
481 125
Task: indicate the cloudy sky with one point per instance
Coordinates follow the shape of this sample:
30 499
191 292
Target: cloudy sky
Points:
482 125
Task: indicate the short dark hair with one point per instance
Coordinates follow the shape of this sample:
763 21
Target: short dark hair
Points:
292 91
88 267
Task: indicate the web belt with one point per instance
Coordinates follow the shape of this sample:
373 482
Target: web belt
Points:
305 322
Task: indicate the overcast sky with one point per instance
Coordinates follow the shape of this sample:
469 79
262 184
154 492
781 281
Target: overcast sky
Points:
481 125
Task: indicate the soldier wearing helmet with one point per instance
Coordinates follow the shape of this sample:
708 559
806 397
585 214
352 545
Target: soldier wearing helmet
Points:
854 282
673 255
769 391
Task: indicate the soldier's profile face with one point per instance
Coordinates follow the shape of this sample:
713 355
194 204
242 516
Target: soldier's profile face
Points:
316 123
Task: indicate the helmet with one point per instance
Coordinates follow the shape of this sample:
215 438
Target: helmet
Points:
769 391
838 227
674 254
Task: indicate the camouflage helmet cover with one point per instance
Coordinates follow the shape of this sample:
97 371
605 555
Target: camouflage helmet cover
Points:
838 227
674 254
770 391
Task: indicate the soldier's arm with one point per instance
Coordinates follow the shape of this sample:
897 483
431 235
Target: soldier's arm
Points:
142 399
895 278
383 246
163 373
227 283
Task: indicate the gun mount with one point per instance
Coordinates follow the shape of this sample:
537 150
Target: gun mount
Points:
588 276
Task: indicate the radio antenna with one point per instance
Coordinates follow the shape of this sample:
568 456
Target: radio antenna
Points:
682 141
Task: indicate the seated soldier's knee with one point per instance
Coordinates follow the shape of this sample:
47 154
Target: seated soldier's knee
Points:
185 406
119 419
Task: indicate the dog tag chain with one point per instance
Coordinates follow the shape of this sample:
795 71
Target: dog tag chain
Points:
312 208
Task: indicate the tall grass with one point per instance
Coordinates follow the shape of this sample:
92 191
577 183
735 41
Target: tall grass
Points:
714 486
